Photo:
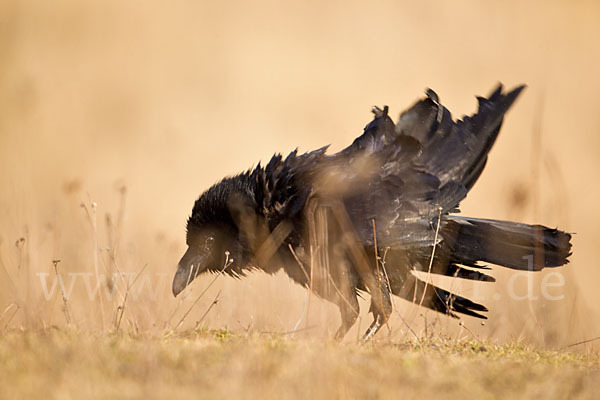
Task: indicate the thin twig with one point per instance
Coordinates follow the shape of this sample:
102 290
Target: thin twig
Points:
307 297
379 274
214 303
121 308
120 215
228 262
357 251
462 324
435 239
7 309
303 313
299 262
582 342
189 279
338 291
287 332
125 284
114 233
62 291
394 308
299 330
13 314
93 222
168 323
375 248
310 283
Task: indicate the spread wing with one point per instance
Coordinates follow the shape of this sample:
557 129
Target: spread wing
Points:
403 175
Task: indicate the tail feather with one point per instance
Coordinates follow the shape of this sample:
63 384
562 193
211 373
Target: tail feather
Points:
464 273
440 300
445 264
508 244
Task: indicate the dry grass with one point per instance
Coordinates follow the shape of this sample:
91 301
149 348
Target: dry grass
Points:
219 364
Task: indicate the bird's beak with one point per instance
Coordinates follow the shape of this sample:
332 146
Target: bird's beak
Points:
190 266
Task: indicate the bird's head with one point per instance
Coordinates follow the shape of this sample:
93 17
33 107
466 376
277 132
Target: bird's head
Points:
213 234
206 251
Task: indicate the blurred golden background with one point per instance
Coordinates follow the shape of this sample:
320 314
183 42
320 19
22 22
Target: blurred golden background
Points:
139 106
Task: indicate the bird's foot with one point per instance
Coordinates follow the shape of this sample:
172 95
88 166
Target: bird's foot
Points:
373 329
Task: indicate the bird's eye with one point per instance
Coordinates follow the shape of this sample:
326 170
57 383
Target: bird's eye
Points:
208 242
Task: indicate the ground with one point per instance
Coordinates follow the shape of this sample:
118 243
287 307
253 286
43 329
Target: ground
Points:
67 364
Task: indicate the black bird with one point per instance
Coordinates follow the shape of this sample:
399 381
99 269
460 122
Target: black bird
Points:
365 218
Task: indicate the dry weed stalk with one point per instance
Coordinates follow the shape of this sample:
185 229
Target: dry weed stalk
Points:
356 250
379 273
6 310
20 244
62 292
394 308
93 223
121 308
228 262
308 290
462 325
435 239
214 303
580 343
114 231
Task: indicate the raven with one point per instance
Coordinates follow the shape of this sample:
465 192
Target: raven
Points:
366 218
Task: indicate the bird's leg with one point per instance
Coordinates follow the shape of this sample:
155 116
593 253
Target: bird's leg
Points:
374 328
343 281
349 310
381 307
